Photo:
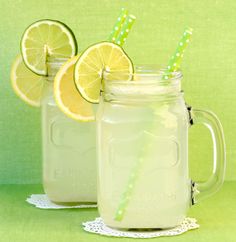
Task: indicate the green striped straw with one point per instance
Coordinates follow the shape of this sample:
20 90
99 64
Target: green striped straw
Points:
128 191
175 61
173 65
119 35
125 29
117 27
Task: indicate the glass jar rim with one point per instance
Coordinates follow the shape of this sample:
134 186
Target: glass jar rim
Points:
56 60
53 66
145 74
147 81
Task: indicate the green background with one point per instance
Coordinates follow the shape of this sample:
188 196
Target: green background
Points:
208 68
209 83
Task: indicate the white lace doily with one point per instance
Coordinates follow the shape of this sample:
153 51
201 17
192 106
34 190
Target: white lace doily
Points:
42 201
97 226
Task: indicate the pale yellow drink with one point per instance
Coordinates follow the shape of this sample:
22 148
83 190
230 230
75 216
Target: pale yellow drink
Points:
142 131
69 161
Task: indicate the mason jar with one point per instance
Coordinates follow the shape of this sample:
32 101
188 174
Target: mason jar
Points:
142 143
69 160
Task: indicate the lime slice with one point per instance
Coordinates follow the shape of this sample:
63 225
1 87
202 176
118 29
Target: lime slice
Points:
26 84
46 38
89 68
67 96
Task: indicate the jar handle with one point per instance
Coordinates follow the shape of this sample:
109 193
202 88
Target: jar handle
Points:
201 190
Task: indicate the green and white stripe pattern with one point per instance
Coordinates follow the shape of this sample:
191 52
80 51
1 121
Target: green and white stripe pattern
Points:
118 36
120 40
128 191
175 61
122 27
117 27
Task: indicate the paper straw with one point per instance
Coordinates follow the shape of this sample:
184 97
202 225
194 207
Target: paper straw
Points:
125 29
117 27
175 61
128 191
119 35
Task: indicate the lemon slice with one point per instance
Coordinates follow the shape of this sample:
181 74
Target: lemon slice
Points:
67 96
26 84
46 38
89 68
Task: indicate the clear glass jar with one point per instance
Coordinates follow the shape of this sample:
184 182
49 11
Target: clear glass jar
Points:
142 142
69 160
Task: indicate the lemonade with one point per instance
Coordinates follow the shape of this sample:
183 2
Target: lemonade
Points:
68 145
139 122
69 161
43 75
